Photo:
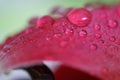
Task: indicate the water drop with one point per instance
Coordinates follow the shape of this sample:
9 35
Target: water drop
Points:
103 15
97 35
97 27
112 38
112 23
101 42
44 21
27 31
48 38
69 32
93 47
33 21
63 43
57 36
83 33
80 17
104 70
64 23
6 49
22 38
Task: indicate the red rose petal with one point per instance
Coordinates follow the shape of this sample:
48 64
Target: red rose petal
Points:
94 48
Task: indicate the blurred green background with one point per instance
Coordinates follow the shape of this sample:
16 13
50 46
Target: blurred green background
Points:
14 14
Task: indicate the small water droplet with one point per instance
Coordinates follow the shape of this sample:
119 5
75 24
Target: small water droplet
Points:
33 21
112 51
63 43
112 23
80 17
104 70
103 15
112 38
64 23
44 21
57 36
69 32
28 31
97 27
22 37
97 35
83 33
93 47
101 42
48 38
6 49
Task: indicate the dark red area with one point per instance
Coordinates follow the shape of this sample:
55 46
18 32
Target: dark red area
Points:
67 73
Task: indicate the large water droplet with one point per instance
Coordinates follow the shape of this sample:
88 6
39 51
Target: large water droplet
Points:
97 35
93 46
97 27
112 23
83 33
112 38
80 17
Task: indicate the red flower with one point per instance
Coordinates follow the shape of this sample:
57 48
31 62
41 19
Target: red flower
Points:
85 40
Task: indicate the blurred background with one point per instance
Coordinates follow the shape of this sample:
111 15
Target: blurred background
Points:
14 14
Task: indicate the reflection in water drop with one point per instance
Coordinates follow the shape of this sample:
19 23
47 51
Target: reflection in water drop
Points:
112 23
83 33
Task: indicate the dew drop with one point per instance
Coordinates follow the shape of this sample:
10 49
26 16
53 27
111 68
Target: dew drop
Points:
97 27
22 38
28 31
104 70
57 36
64 23
103 15
69 32
97 35
45 20
80 17
48 38
93 47
112 23
63 43
112 38
101 42
33 21
83 33
6 49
